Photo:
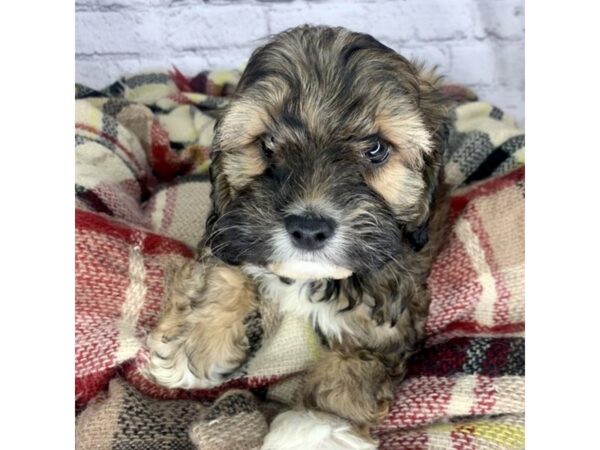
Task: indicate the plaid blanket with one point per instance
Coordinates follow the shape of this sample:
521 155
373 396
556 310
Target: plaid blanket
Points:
142 151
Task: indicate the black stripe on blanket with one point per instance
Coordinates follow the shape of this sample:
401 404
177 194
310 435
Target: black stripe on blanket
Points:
487 167
82 91
471 356
146 78
496 158
115 90
496 113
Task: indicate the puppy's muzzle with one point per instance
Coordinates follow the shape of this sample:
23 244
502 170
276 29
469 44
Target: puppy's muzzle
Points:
309 232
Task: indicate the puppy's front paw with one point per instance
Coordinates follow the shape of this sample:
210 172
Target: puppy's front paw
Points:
201 337
201 356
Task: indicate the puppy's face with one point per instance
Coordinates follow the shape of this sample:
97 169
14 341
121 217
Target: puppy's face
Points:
326 159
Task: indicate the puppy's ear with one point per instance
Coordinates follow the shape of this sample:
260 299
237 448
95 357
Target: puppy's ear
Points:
220 194
434 163
417 235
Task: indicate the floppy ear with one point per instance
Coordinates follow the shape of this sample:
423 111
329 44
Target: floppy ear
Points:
220 193
417 235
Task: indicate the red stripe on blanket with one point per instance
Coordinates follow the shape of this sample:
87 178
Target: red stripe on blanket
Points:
410 440
180 80
501 313
152 244
485 396
496 356
86 388
483 188
474 327
179 98
168 211
100 263
114 141
166 163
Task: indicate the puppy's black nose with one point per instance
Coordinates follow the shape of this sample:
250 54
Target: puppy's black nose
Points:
309 232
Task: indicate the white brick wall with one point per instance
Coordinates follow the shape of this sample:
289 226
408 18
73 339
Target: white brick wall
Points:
476 42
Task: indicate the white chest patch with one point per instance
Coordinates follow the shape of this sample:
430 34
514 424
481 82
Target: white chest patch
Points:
295 298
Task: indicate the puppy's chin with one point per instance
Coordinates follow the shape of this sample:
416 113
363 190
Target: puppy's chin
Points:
308 270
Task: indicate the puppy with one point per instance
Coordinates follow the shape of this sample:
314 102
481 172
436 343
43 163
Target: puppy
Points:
328 197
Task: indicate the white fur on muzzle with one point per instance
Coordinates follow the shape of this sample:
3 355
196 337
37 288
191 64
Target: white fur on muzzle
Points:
308 270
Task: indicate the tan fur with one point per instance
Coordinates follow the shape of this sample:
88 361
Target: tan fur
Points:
400 186
202 326
408 135
355 386
243 165
242 125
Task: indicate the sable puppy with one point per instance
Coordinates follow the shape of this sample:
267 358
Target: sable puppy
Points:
328 196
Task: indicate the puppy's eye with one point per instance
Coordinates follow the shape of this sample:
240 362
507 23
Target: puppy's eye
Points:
267 144
378 154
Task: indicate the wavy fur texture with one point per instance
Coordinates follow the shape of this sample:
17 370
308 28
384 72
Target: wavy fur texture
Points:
309 106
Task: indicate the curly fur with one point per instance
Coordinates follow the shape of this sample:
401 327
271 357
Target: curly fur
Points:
293 141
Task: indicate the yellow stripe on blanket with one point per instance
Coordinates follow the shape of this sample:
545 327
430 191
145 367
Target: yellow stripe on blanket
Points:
87 113
508 432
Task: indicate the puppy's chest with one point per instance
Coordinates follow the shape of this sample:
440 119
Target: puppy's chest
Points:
303 299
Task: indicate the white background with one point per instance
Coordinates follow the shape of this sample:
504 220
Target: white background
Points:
475 42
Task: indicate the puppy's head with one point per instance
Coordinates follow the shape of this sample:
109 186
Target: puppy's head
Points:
327 157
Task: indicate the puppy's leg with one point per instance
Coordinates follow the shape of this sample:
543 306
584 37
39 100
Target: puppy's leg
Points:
344 395
356 386
201 335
